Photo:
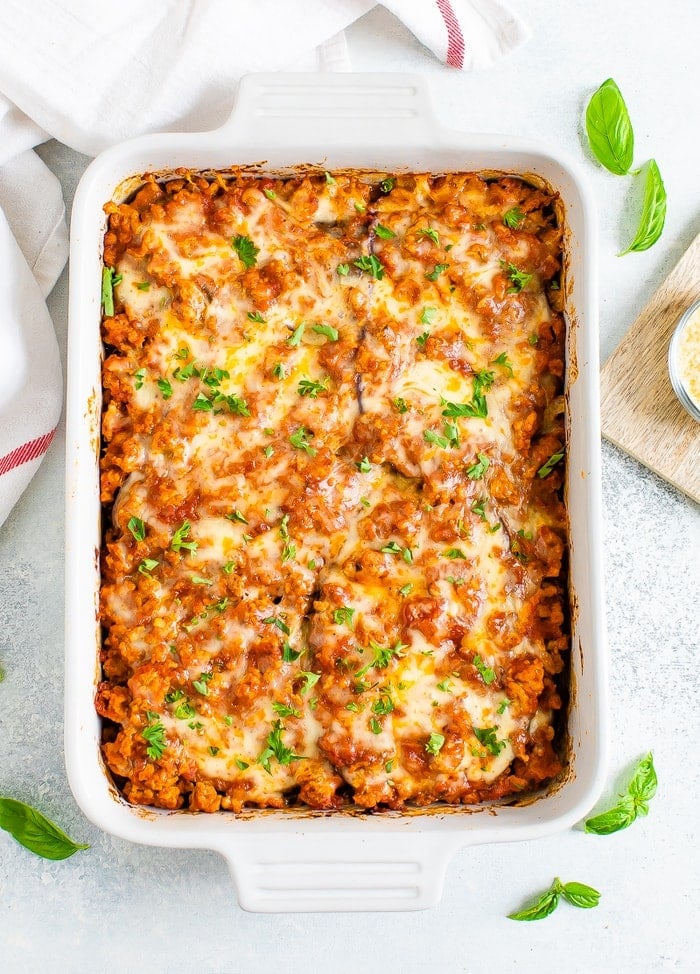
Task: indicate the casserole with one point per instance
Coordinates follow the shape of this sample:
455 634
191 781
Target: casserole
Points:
301 860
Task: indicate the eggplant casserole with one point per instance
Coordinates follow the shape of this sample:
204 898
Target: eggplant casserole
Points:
332 476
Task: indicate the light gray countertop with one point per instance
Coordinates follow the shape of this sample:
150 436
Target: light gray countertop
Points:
120 907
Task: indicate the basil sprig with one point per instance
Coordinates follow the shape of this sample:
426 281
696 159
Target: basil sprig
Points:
651 223
634 802
578 894
34 831
609 129
611 139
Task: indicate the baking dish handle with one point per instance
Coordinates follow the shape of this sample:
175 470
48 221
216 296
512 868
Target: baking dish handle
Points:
301 873
331 109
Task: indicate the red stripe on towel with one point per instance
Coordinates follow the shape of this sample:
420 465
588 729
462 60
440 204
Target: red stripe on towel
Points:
26 452
455 38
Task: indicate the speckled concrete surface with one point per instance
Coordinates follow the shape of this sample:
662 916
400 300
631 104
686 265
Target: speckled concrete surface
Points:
123 908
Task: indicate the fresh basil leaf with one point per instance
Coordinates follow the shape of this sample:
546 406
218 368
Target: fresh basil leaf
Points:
36 832
541 908
609 129
619 817
651 223
644 782
578 894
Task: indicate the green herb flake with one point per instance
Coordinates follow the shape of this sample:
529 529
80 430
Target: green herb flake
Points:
165 388
427 316
246 250
434 743
422 339
300 440
278 370
275 748
547 467
455 553
477 470
110 279
406 589
289 654
371 265
514 218
437 271
271 195
327 330
487 737
342 270
386 185
154 735
139 377
431 234
375 726
400 405
487 674
278 623
237 516
256 317
296 336
143 286
504 361
343 616
137 528
364 466
201 685
179 539
147 565
384 232
283 710
518 279
311 389
185 711
310 681
533 339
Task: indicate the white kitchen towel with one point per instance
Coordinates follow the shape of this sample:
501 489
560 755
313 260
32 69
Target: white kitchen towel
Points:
91 73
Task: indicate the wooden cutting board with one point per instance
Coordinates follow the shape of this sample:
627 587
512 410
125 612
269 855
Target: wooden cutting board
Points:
639 410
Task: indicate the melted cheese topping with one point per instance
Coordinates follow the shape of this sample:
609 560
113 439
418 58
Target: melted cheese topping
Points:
333 567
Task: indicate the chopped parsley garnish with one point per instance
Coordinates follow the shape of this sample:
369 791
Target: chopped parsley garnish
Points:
278 623
311 389
278 370
137 528
343 616
289 654
514 218
423 338
310 681
296 335
384 232
110 279
382 656
432 234
386 185
246 250
240 764
182 353
327 330
289 552
503 360
519 279
360 207
184 372
406 589
300 440
353 707
179 538
455 553
375 726
371 264
185 711
477 470
343 270
165 388
533 339
445 686
384 705
400 405
275 748
174 695
437 271
329 178
147 565
427 315
213 750
227 569
434 743
271 195
200 685
502 705
487 674
547 467
479 507
364 466
389 766
143 286
154 735
477 408
200 580
268 451
449 439
487 737
237 516
257 317
284 711
202 403
139 377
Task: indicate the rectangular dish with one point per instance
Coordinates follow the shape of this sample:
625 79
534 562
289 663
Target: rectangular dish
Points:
343 862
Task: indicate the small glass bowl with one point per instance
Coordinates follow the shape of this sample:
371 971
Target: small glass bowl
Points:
675 353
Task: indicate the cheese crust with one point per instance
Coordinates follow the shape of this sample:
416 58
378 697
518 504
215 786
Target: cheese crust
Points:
332 471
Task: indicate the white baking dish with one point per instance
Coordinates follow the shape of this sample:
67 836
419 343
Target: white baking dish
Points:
308 861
